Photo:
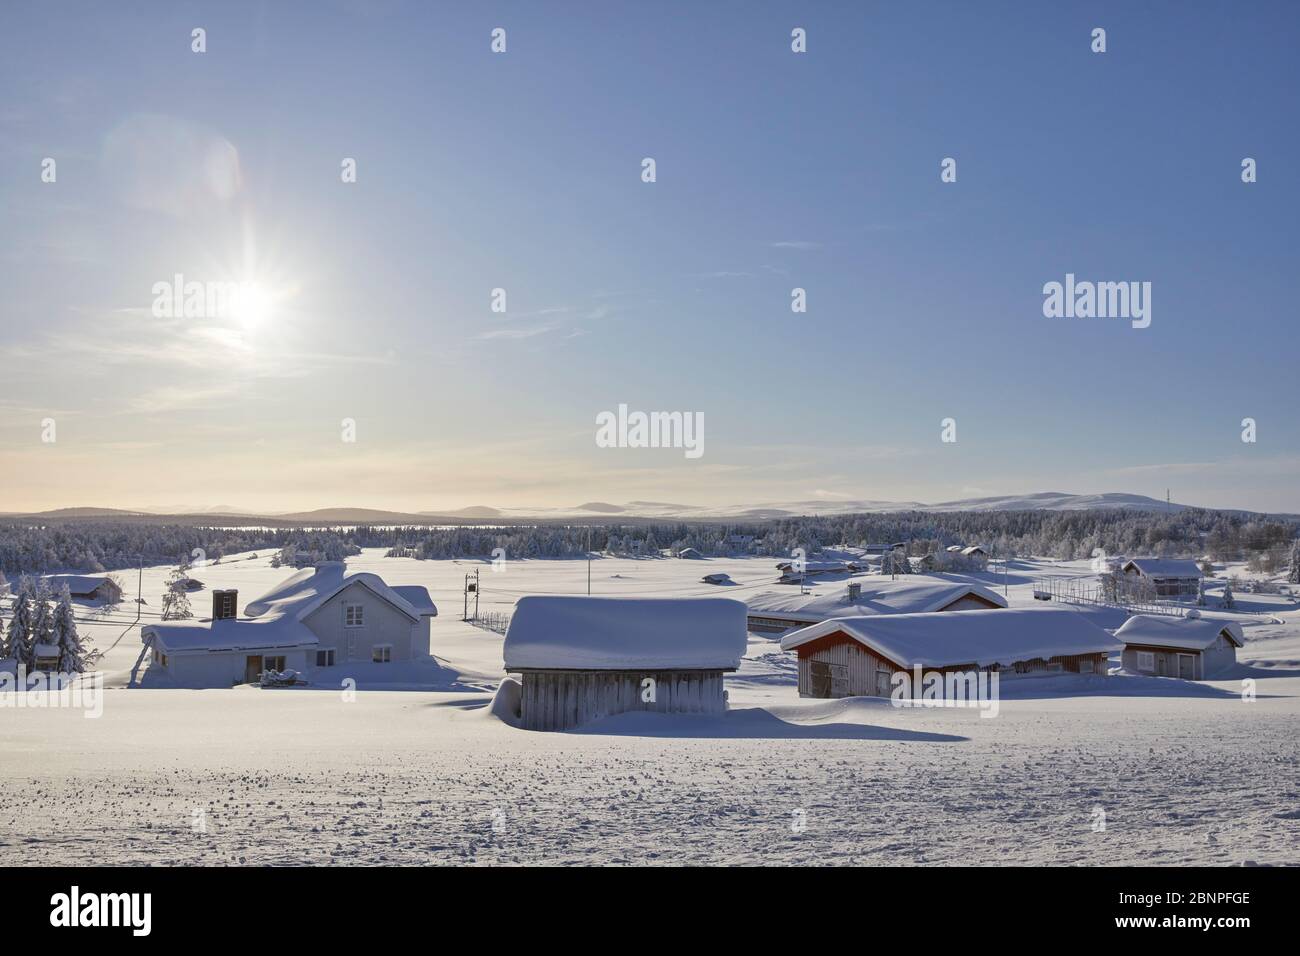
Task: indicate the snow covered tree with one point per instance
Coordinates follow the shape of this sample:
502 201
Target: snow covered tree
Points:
72 652
1293 575
176 601
20 646
42 631
1200 593
1227 601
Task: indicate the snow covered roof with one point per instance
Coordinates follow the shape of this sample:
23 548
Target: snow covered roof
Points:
593 633
77 583
973 549
1187 633
886 597
1165 567
418 597
967 637
276 618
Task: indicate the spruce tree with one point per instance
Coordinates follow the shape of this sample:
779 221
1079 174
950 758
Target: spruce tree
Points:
42 618
72 651
21 646
1228 601
1293 574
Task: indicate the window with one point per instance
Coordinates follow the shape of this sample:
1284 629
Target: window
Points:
381 653
1146 660
354 615
325 658
1055 666
273 663
1085 667
884 683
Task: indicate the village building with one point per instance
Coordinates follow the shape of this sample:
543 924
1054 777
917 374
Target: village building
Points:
86 587
774 612
860 656
584 658
319 618
690 554
1191 647
716 578
1167 577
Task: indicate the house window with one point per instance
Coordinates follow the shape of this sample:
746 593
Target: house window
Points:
354 615
1146 660
1055 666
273 663
1085 667
884 684
325 658
381 653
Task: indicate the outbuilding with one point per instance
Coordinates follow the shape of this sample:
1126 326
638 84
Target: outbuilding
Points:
1167 577
1190 647
86 587
584 658
860 656
774 612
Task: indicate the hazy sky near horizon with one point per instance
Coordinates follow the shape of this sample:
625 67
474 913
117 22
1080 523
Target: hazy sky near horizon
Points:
522 171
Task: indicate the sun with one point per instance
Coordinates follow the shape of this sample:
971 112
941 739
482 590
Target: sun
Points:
253 305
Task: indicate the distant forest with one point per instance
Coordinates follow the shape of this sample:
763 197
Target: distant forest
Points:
1063 535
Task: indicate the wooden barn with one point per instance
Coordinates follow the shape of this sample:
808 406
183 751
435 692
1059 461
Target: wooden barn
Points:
1168 578
584 658
87 587
1191 647
859 656
773 612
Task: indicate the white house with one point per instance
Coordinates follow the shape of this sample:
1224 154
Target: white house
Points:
859 656
776 611
1191 647
583 658
319 618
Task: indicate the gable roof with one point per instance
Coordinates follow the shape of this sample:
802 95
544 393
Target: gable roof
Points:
878 597
78 583
967 637
276 618
1164 567
592 633
1186 633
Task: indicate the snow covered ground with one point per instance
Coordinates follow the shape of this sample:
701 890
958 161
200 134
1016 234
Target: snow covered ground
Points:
414 770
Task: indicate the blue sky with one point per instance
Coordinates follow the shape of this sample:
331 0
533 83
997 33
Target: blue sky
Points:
521 170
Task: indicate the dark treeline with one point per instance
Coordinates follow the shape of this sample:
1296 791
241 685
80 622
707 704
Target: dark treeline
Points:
1065 535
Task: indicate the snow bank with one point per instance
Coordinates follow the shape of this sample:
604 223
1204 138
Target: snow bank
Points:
592 633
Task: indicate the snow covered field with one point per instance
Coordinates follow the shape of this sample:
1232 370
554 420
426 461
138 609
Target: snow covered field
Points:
414 770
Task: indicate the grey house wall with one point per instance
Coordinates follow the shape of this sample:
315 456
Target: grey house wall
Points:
384 624
1214 660
559 700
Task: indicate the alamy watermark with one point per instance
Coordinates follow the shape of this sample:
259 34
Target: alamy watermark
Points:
1102 300
53 690
624 429
922 688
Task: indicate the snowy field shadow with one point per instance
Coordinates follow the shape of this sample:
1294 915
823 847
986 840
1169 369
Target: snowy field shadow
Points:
750 723
1126 685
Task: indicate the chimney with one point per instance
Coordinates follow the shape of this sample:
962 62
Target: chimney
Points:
855 591
224 604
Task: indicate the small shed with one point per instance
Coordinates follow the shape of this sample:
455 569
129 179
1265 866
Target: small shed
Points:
583 658
1191 647
859 656
86 587
690 554
716 578
1170 578
46 657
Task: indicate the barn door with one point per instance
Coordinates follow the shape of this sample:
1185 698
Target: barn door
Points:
252 668
839 680
819 678
1187 667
